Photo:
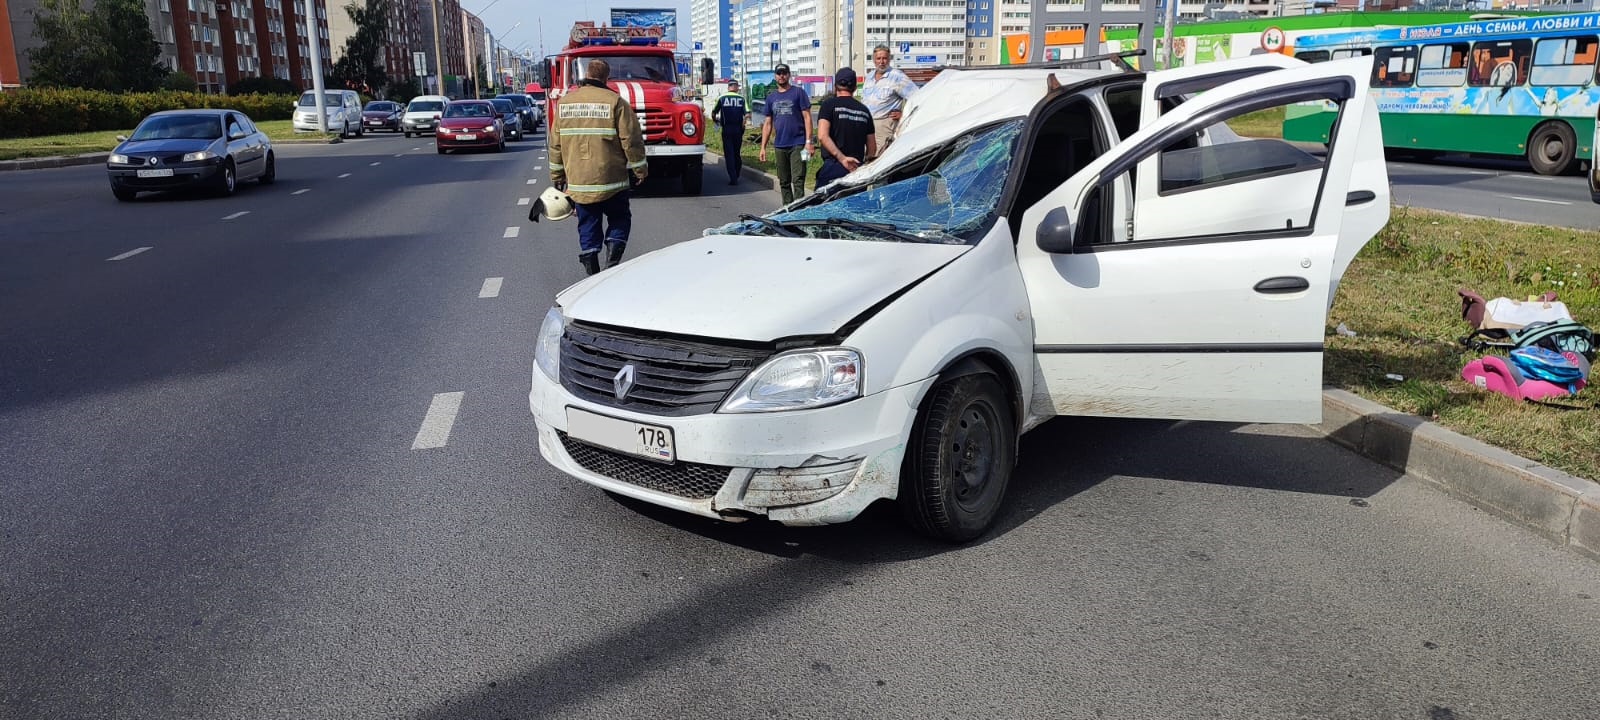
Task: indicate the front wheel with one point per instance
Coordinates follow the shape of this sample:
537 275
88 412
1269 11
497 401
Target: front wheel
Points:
271 173
227 180
1552 148
408 136
959 459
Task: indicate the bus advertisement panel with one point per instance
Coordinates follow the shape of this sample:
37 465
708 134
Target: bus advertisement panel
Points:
1509 86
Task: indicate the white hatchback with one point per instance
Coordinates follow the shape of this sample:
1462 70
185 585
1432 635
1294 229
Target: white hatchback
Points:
1123 245
422 114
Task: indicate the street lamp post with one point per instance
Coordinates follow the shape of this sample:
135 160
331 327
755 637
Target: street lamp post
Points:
316 67
438 56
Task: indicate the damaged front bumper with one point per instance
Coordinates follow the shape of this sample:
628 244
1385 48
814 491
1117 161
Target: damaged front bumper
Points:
807 467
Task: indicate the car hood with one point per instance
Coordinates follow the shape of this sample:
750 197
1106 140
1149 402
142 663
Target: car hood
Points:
172 145
467 122
752 288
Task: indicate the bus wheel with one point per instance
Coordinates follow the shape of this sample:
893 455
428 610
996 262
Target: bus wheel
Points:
1552 148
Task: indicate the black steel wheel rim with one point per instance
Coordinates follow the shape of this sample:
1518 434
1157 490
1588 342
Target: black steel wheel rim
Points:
973 447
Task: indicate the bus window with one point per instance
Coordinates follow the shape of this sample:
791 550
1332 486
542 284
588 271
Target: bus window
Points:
1564 61
1394 66
1500 63
1442 65
1351 52
1312 56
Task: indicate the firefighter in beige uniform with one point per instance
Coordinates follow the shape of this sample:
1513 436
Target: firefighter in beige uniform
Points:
595 143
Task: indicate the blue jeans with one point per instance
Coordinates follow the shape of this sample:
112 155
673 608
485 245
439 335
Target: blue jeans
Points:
618 219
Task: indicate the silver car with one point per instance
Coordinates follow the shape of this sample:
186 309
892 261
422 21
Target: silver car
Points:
343 108
175 149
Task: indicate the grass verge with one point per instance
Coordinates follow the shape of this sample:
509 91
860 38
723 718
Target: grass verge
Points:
750 153
105 140
1399 297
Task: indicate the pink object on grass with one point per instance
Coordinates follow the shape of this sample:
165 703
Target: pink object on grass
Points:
1494 374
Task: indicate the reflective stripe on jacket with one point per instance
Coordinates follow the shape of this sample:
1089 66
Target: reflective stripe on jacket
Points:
595 142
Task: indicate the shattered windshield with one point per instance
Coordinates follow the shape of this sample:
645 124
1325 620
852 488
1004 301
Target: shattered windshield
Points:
952 203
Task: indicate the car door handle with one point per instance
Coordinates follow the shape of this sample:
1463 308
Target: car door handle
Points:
1356 197
1281 285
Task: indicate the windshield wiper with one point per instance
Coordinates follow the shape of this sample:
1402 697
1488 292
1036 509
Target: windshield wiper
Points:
770 224
857 225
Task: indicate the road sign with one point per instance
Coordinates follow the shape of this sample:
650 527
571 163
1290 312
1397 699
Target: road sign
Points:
905 47
699 45
1272 39
738 47
816 43
774 47
927 58
420 60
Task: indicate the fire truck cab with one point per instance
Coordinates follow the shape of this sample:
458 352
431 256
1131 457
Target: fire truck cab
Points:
645 74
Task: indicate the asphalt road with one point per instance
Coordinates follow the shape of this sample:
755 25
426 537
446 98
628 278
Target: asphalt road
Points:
210 507
1497 188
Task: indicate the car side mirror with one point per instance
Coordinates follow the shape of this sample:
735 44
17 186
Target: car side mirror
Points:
122 138
1054 233
708 71
236 135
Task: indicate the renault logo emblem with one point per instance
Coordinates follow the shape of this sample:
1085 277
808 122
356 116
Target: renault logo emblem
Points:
153 161
623 382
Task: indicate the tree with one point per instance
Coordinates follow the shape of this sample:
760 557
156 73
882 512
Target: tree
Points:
403 90
361 66
108 48
180 81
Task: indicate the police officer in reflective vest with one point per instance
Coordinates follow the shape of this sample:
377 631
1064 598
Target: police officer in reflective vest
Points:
595 143
729 115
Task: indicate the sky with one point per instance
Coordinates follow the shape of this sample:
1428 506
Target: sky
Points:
557 17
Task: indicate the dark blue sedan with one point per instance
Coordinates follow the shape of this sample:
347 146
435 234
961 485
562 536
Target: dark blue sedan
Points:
174 149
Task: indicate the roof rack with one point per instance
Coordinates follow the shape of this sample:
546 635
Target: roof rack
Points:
1119 58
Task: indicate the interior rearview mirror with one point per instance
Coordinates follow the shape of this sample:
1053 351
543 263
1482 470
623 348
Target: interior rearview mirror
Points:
1054 233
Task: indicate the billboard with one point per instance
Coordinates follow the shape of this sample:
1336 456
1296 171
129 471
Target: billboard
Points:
664 18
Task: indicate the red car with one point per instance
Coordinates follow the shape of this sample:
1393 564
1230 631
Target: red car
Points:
469 124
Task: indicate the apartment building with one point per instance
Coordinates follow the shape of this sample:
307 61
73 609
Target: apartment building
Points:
444 41
472 44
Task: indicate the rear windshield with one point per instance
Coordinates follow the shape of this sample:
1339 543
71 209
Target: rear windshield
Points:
310 99
517 100
504 106
425 106
179 127
382 106
538 96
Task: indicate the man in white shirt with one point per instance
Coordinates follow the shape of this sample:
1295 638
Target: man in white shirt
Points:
884 91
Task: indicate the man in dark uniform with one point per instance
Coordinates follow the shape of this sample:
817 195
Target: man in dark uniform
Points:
845 129
728 114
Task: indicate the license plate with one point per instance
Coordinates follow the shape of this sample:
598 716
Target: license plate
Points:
374 122
466 136
164 172
652 442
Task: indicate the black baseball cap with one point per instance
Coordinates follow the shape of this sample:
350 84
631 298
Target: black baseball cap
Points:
781 68
845 78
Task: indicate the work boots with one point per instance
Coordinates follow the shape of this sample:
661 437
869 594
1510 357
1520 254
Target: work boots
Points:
614 256
591 262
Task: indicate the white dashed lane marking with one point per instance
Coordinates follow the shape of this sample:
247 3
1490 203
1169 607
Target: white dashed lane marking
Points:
345 175
301 191
491 287
435 430
512 232
532 181
239 214
399 154
1539 200
524 201
127 254
374 164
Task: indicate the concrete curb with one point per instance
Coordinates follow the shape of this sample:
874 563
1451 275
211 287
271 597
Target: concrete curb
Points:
1557 506
57 161
746 172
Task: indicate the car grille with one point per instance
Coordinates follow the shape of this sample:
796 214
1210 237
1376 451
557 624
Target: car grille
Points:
671 377
687 480
656 124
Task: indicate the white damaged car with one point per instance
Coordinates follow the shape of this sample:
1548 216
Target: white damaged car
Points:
1099 242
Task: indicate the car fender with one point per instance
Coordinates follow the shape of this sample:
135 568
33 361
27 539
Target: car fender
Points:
974 306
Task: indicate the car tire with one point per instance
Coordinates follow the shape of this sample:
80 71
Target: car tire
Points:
441 150
1552 148
124 194
501 147
408 136
227 180
270 172
361 131
693 177
959 458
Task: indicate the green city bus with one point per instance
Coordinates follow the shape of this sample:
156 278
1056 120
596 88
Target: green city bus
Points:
1522 86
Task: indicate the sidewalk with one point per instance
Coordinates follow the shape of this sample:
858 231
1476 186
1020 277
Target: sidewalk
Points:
1560 507
57 161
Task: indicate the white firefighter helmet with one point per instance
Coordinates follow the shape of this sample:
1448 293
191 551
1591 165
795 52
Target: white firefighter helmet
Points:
553 204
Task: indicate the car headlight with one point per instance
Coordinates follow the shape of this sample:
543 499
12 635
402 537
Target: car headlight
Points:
799 380
198 156
118 158
689 129
547 350
489 128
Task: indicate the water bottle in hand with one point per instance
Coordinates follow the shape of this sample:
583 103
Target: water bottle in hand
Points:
805 156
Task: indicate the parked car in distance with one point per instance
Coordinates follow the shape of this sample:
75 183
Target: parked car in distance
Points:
1038 242
174 149
343 108
382 115
530 119
510 117
539 99
469 124
422 114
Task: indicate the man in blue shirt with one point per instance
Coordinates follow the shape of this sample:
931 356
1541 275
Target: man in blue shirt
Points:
728 114
788 126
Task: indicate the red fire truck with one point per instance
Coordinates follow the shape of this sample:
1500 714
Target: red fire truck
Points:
646 75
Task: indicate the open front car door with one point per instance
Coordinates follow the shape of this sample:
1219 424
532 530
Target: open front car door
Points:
1187 271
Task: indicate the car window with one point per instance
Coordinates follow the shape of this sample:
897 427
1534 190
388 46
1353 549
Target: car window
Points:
504 106
461 110
179 127
330 99
425 106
